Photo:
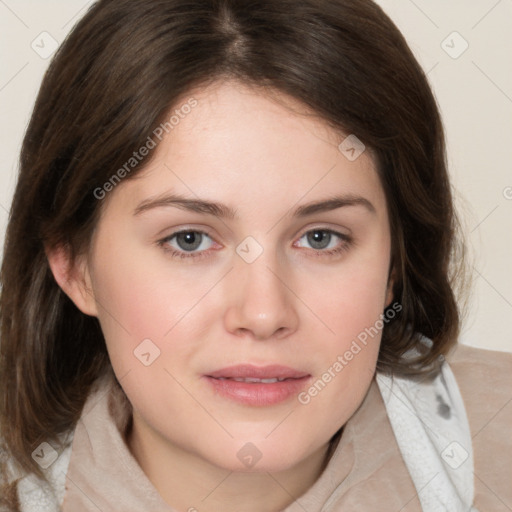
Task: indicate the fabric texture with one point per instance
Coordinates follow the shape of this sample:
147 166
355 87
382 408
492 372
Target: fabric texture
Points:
432 431
409 447
485 380
37 496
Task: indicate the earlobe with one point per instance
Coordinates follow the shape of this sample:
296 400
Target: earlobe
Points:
73 278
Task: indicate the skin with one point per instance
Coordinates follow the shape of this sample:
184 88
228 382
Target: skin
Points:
293 305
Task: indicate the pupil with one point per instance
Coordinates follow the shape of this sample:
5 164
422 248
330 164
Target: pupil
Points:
189 241
319 239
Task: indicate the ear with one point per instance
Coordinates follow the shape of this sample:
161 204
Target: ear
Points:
73 278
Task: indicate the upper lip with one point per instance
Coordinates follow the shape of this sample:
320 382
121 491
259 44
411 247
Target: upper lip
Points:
258 372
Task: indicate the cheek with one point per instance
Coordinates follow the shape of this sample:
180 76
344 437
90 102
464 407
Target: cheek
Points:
139 302
350 299
359 306
352 310
347 356
350 302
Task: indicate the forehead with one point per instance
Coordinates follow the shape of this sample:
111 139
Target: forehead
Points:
243 145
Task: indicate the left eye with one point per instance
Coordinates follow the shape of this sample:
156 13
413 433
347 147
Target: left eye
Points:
189 241
320 239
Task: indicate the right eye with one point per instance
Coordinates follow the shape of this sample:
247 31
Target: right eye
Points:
186 244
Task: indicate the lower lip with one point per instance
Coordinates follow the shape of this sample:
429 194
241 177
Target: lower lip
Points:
256 394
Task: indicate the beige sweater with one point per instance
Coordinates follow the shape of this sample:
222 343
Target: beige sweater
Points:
365 473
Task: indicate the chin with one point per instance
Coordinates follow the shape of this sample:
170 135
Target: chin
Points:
261 456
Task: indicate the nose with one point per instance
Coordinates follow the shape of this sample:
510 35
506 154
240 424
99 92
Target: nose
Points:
261 303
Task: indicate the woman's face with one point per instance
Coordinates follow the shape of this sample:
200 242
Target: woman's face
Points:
283 279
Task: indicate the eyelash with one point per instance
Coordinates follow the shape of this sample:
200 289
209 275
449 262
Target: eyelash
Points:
346 239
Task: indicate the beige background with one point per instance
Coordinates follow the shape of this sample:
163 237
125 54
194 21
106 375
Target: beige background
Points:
473 86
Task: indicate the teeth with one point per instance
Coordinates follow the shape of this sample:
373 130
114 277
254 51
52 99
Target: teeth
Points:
253 380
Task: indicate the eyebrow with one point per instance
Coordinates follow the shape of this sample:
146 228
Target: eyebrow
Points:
223 211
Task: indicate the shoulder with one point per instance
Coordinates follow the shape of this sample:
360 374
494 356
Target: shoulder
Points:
481 371
485 382
467 355
484 378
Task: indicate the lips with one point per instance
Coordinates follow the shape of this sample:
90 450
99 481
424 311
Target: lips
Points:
251 373
257 385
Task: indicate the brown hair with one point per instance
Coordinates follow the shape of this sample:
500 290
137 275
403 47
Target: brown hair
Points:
114 80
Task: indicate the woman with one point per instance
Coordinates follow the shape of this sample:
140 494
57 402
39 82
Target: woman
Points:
227 281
